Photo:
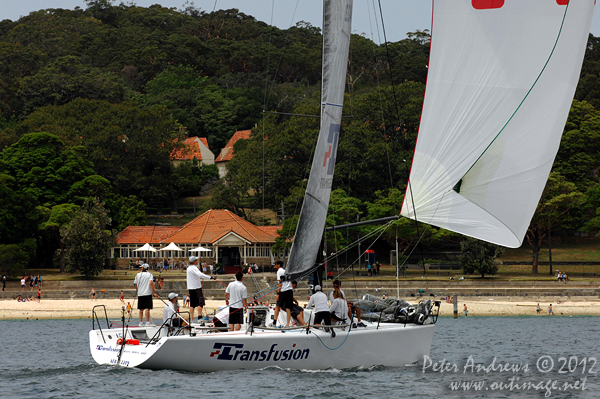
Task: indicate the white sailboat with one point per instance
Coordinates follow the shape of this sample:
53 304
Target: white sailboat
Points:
501 79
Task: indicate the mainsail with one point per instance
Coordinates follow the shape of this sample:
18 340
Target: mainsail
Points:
337 18
501 79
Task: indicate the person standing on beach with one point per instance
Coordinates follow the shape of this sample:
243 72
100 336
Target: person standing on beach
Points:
93 294
145 289
550 311
465 310
538 309
39 295
194 285
3 282
23 283
122 297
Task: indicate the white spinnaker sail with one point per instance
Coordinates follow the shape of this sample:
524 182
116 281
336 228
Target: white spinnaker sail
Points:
499 89
337 18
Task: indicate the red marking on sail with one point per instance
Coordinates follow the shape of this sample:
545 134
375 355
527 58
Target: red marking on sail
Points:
562 2
487 4
327 155
212 354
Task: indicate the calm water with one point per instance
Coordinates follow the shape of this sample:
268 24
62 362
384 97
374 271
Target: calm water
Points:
51 359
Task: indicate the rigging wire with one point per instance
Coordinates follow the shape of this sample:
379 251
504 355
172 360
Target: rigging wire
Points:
409 185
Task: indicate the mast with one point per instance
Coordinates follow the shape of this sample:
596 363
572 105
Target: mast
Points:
337 19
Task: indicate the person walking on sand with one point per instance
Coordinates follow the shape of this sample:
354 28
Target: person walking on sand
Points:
550 311
538 309
465 310
3 282
122 297
93 294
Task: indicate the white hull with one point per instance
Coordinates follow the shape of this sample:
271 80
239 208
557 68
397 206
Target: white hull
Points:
388 345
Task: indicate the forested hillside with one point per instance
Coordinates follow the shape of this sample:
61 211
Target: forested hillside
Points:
92 101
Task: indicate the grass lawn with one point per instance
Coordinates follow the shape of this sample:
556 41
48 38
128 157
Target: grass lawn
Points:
581 250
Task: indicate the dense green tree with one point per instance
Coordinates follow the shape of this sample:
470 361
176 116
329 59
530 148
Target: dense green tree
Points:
42 179
128 145
44 168
410 57
343 209
66 79
19 216
88 238
588 88
559 203
374 152
14 258
59 216
283 241
578 158
126 211
479 257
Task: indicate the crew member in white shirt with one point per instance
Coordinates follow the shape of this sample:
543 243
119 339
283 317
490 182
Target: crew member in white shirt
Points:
235 296
285 293
319 300
170 312
144 285
194 286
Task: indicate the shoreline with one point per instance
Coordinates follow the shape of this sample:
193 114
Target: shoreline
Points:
82 308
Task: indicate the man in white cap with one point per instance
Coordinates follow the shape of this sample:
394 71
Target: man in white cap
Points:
144 285
319 299
194 285
170 311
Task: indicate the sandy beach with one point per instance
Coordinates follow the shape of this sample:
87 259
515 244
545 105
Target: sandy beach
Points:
498 306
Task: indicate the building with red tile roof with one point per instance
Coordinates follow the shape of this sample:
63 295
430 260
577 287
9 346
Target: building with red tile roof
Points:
230 240
227 154
193 148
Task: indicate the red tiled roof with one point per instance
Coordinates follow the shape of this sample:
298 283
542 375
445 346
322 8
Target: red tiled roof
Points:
272 230
217 223
190 149
145 234
227 151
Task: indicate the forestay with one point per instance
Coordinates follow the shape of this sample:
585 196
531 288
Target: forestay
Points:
337 18
501 79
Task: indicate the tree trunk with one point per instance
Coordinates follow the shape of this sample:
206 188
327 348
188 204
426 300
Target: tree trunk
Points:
62 258
534 265
535 236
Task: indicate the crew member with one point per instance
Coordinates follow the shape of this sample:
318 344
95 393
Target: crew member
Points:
235 296
170 312
319 299
144 285
194 285
285 293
